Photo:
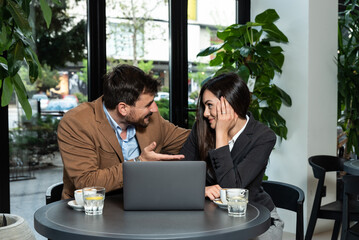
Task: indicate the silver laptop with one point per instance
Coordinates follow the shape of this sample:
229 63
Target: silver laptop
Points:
164 185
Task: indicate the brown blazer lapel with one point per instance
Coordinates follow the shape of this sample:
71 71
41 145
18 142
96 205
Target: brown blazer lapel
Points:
105 128
143 138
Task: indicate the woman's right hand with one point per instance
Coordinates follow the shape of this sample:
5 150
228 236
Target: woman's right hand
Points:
226 120
212 192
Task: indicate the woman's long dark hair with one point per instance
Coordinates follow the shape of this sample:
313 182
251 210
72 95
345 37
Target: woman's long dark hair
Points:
230 86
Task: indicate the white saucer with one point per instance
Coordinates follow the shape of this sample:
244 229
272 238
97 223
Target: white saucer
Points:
219 203
76 207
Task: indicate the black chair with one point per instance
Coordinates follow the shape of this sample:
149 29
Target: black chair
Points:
351 192
320 165
288 197
53 193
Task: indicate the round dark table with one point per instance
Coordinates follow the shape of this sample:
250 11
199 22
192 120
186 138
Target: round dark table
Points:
352 167
59 221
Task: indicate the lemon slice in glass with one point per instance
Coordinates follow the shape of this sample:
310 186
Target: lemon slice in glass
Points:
94 198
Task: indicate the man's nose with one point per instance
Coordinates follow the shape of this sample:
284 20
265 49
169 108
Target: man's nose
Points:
154 107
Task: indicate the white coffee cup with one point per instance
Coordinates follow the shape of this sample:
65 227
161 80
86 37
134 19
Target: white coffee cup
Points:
223 194
79 197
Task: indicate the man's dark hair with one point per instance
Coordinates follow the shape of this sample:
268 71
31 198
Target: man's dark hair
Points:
125 83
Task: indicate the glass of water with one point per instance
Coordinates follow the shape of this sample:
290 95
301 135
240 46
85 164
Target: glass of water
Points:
94 198
237 200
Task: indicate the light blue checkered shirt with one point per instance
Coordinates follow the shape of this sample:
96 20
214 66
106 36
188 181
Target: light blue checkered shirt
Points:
129 146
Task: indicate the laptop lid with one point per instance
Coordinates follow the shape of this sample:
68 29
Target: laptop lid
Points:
164 185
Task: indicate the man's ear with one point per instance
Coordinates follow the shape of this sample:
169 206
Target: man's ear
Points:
123 108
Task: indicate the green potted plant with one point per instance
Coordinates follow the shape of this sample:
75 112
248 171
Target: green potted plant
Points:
348 75
252 52
16 49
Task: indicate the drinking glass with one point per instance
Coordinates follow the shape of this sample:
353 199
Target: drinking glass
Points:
237 200
94 198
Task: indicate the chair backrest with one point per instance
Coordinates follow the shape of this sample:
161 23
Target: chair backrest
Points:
325 163
351 189
288 197
322 164
53 193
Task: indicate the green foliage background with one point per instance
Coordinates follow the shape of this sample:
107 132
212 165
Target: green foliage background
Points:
251 50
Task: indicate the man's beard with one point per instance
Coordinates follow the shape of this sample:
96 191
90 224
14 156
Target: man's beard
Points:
140 122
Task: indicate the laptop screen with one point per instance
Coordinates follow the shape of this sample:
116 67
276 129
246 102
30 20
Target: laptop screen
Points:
164 185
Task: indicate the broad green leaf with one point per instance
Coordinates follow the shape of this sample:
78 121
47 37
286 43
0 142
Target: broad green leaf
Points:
254 68
262 81
278 60
3 71
30 55
25 40
15 58
243 72
280 131
22 95
223 34
253 24
227 59
6 92
210 50
261 50
19 16
272 97
245 51
234 42
18 51
238 32
46 12
275 33
254 36
268 16
3 60
274 49
216 61
284 96
33 71
20 86
272 117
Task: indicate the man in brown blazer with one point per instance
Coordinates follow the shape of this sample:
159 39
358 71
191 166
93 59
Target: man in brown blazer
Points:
95 138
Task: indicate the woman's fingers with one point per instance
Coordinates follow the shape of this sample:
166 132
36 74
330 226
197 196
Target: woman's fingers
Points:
212 192
223 105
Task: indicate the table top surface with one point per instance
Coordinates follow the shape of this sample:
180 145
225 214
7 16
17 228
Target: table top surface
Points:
58 221
352 167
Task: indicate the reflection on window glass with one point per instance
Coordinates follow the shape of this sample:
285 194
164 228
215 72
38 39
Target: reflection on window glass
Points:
35 162
205 18
137 34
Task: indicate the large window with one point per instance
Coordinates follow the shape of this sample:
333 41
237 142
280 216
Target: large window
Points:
205 18
34 160
137 34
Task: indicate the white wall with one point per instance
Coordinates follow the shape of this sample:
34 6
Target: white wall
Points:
309 77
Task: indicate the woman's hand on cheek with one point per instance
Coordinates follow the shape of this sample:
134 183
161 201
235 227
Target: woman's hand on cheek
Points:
226 119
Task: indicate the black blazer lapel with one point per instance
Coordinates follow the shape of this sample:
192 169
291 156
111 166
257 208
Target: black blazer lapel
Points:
243 141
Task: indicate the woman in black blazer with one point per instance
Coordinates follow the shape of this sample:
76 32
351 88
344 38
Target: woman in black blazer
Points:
235 146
